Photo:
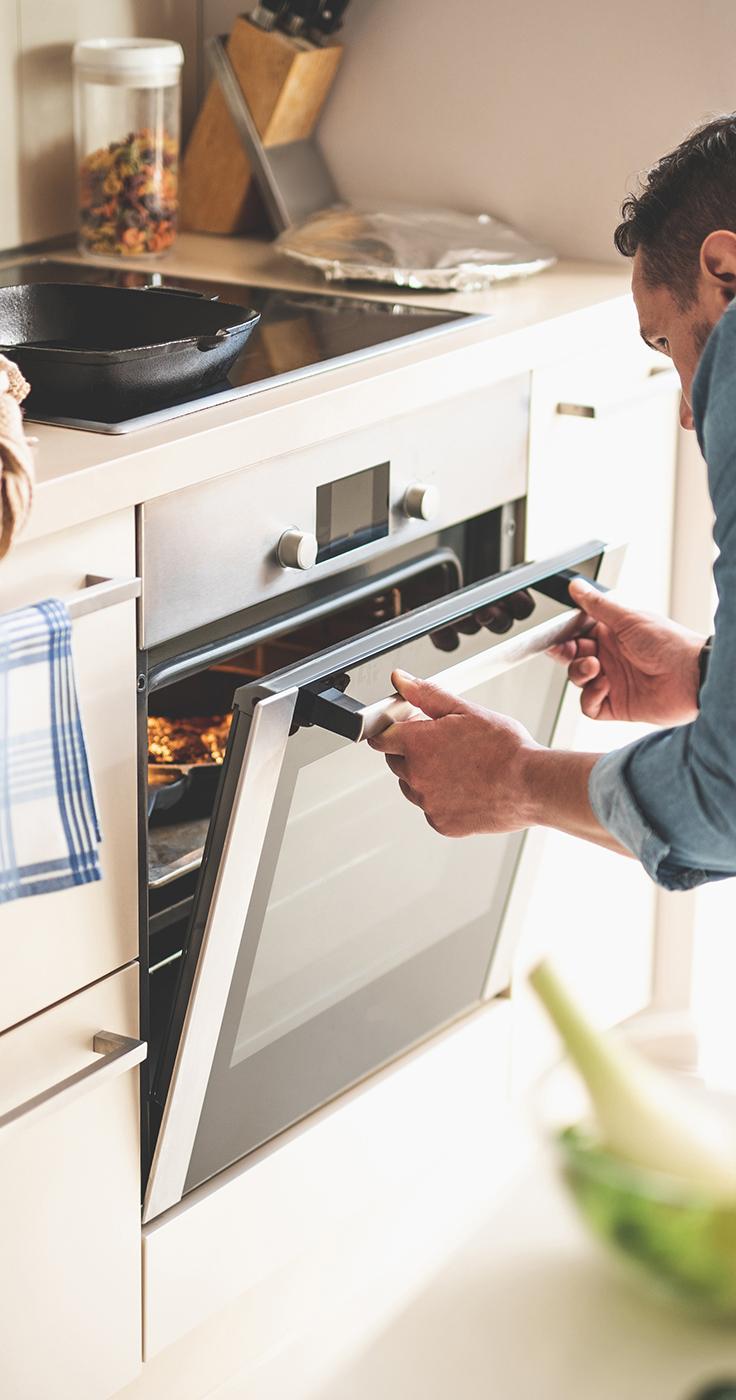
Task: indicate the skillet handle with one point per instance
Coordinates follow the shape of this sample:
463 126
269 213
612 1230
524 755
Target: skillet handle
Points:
211 342
179 292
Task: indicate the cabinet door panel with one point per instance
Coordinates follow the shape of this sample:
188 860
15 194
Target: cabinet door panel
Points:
53 944
612 473
70 1306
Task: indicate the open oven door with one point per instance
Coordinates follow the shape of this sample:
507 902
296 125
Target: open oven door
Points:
332 927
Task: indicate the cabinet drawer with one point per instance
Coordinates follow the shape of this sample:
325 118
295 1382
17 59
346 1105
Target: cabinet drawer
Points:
70 1305
602 451
54 944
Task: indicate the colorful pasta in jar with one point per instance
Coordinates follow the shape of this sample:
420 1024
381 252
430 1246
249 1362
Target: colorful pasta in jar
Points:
127 133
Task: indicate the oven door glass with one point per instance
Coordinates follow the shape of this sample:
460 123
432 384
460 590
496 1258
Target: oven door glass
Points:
332 927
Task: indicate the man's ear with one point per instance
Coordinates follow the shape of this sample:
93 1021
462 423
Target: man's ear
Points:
718 261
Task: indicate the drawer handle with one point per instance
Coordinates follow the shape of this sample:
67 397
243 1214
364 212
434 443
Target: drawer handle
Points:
99 593
659 381
119 1054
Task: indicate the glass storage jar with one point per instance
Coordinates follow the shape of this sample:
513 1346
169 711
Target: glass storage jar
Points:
127 100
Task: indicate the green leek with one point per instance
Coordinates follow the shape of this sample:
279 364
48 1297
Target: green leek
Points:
645 1116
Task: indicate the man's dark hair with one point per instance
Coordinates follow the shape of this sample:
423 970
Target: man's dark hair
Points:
684 197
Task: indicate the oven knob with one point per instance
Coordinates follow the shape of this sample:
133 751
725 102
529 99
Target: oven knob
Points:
297 550
421 502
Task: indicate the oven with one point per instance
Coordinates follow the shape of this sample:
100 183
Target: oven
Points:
302 924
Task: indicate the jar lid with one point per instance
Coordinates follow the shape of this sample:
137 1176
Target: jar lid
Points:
142 62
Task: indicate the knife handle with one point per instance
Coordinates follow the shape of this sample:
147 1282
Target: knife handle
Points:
328 19
266 13
298 15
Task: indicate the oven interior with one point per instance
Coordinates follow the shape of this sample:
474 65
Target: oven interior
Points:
185 726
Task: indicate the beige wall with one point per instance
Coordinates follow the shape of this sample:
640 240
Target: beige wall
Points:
541 112
537 111
36 152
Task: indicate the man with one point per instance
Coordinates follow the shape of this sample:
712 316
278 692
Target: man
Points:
670 798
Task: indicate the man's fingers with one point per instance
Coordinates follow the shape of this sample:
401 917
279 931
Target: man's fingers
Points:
446 639
565 652
408 792
584 670
600 606
397 764
430 699
390 741
496 617
468 625
594 698
521 605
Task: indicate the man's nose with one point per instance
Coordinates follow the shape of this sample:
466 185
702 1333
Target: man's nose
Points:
686 414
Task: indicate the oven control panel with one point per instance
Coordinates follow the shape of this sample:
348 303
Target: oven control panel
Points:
352 512
226 545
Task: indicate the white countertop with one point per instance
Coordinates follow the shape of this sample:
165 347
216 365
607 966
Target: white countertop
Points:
525 1307
566 310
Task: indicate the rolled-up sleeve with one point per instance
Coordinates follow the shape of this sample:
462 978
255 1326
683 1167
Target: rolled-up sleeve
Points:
616 804
617 810
670 798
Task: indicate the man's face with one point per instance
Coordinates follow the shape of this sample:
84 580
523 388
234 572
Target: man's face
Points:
680 334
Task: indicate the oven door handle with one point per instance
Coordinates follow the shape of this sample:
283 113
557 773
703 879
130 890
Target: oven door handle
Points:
341 714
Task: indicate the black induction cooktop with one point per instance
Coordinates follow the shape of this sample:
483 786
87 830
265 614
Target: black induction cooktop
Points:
300 333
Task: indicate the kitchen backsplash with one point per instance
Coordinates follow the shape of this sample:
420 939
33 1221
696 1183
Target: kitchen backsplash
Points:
538 113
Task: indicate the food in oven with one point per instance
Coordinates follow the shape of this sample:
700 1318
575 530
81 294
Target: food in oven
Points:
187 739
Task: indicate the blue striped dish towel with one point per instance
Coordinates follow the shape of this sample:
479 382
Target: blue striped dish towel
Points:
49 832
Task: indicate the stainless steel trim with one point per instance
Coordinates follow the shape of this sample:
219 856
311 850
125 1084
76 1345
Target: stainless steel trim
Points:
119 1054
178 667
501 967
247 130
273 381
388 636
660 381
248 821
475 670
100 592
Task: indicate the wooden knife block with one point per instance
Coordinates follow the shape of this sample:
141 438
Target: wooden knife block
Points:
285 82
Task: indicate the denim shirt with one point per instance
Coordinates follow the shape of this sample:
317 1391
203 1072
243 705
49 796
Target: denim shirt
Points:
670 798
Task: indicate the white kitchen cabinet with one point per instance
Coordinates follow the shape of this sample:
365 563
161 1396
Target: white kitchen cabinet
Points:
605 467
351 1171
54 944
70 1306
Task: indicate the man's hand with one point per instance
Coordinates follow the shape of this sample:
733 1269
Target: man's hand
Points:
464 766
497 617
471 770
631 666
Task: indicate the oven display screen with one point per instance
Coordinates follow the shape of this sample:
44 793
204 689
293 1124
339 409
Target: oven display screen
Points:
352 511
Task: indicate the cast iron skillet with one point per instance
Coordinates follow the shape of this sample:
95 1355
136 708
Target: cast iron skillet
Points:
121 345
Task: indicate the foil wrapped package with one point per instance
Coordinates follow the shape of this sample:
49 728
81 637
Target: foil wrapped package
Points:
438 249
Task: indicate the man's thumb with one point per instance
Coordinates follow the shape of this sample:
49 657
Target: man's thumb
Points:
600 606
430 699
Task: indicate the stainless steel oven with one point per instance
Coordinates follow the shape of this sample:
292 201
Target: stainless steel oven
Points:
302 924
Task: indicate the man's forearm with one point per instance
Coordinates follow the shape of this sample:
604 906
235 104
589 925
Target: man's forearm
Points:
556 793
